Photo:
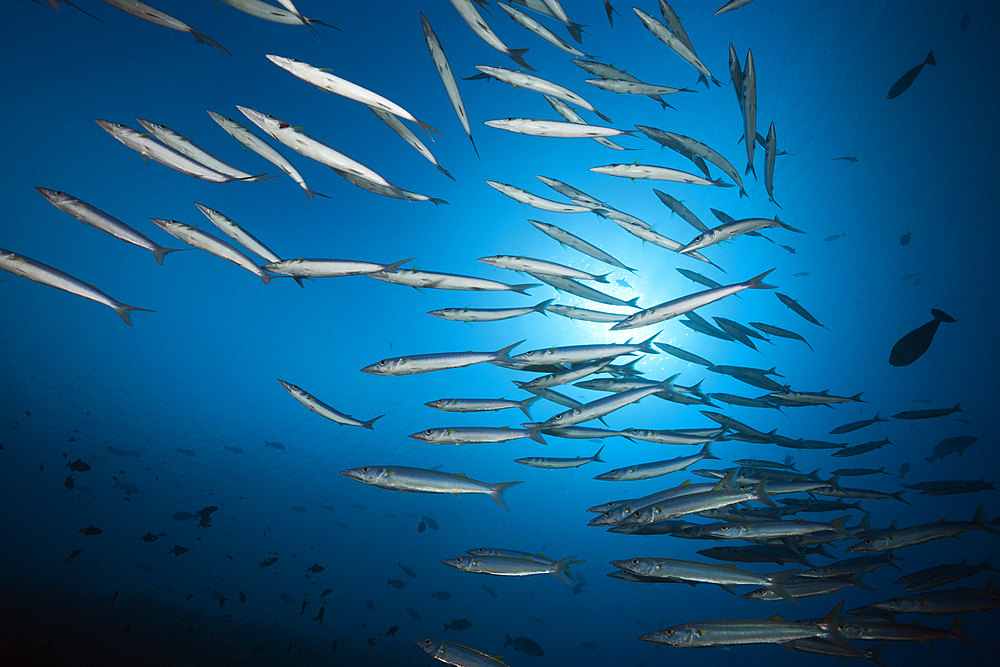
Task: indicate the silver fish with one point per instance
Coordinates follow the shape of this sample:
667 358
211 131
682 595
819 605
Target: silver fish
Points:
684 304
182 144
438 280
558 463
424 363
539 85
488 314
552 128
302 143
749 109
770 150
324 410
447 77
22 266
534 26
733 229
324 80
193 236
540 266
153 15
152 149
679 47
98 219
535 201
327 268
262 148
468 12
421 480
567 239
656 173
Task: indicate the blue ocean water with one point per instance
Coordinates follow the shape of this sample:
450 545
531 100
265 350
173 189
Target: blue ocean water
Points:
199 374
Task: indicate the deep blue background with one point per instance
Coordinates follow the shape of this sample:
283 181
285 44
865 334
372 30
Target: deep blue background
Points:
200 372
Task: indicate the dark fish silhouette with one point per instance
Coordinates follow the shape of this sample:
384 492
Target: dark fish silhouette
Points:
848 158
835 237
905 238
235 450
489 590
458 624
910 347
73 554
276 445
315 568
421 527
183 516
391 631
243 597
441 595
964 25
396 583
431 523
267 562
177 550
186 452
205 515
410 573
304 603
523 644
326 592
78 466
69 483
90 530
319 619
149 537
370 604
904 82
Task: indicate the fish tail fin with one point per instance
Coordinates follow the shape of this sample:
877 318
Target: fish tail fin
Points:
777 582
956 633
445 172
603 278
522 289
507 641
838 527
396 265
527 403
787 226
497 493
517 56
198 37
899 496
560 568
941 315
981 521
930 59
704 80
597 456
125 311
502 353
755 282
474 144
761 495
603 117
160 253
541 307
750 169
536 435
368 424
647 345
427 128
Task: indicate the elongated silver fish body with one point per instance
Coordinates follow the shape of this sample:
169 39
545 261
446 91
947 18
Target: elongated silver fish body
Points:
750 109
488 314
98 219
182 144
576 243
262 148
634 88
474 20
447 77
328 268
656 468
655 173
421 480
525 197
233 230
324 410
729 230
22 266
553 128
424 363
334 84
507 566
459 435
314 149
684 304
664 35
152 149
539 85
437 280
481 404
456 654
212 245
153 15
530 24
540 266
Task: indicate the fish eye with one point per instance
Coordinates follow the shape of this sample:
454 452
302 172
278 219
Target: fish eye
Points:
635 561
896 600
723 529
460 559
869 541
383 362
669 632
427 642
428 431
283 125
366 469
